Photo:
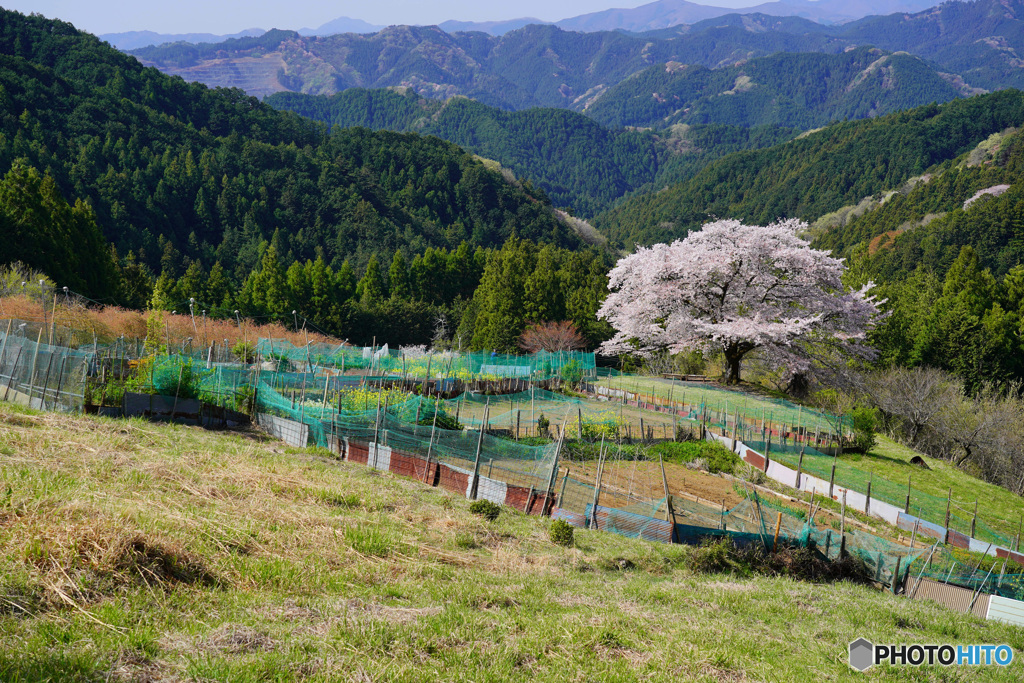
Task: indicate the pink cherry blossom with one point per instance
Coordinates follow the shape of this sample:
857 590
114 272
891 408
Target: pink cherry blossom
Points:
734 288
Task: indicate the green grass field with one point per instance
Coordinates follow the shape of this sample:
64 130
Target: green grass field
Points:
131 551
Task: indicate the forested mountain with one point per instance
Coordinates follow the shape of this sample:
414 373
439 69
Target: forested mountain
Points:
816 173
982 41
578 163
176 174
794 90
977 43
947 251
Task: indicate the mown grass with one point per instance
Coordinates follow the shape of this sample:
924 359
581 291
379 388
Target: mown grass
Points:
132 551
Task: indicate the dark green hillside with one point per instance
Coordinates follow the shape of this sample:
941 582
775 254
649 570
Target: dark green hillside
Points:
578 163
177 173
795 90
927 223
818 173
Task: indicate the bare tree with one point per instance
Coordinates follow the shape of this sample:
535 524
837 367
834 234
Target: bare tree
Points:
915 397
552 336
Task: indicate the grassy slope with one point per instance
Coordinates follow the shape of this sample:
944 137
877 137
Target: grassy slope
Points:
997 507
134 551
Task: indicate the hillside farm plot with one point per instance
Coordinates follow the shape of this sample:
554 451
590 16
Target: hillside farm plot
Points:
720 399
609 418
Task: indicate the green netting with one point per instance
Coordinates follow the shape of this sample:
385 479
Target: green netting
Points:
754 519
336 411
926 506
416 364
723 405
977 572
40 375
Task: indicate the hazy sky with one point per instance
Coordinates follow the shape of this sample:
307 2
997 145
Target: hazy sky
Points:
230 16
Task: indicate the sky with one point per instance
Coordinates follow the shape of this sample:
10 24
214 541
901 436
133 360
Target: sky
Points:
231 16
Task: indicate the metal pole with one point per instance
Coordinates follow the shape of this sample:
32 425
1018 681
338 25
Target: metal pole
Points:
924 567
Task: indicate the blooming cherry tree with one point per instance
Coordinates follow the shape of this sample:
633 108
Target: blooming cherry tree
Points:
735 288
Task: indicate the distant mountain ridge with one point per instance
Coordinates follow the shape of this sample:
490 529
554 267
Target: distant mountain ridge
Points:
650 17
133 40
669 13
543 65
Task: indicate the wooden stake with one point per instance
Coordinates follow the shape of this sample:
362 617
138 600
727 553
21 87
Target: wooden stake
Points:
592 520
778 527
479 446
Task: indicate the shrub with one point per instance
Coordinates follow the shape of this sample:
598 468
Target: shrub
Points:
864 422
718 458
244 351
542 424
561 533
572 373
486 509
712 556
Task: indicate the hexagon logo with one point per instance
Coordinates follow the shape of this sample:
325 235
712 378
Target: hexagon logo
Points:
861 654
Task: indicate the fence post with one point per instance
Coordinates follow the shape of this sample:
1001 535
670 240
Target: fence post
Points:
1016 542
974 520
14 368
896 576
907 507
867 504
561 493
592 521
832 478
3 349
778 527
670 513
479 445
949 499
35 358
842 527
799 468
550 490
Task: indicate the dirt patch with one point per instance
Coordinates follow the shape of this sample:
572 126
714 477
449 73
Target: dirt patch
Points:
730 586
134 667
395 615
644 479
235 639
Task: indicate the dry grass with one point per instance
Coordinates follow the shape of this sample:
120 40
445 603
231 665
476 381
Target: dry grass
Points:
110 322
139 552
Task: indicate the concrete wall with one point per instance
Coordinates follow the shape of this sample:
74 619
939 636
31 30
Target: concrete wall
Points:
1005 610
291 432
